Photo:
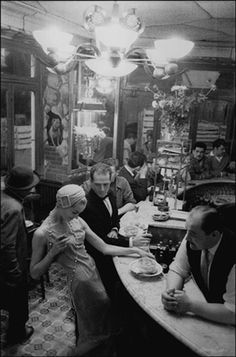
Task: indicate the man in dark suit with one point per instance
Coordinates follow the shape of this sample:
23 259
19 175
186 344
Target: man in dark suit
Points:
101 214
13 253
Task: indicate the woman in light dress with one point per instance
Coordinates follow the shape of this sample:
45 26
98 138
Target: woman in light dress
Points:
60 238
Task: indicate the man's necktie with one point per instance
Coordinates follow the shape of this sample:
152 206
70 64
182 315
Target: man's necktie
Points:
205 265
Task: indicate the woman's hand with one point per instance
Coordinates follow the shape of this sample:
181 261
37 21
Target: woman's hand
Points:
142 240
58 245
113 234
143 253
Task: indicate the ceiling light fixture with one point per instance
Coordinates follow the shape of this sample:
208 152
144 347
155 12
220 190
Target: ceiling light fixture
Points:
113 31
117 35
54 40
112 54
164 55
104 67
173 48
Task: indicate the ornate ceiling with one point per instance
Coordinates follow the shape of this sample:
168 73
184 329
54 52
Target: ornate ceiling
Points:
210 24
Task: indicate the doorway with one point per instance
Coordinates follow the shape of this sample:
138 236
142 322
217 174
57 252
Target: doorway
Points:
17 126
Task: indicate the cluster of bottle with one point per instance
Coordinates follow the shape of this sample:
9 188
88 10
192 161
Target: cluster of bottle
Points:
165 188
165 253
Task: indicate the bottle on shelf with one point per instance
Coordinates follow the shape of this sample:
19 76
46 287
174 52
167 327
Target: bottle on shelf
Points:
172 251
162 256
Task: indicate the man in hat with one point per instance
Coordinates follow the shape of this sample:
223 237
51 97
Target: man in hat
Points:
13 253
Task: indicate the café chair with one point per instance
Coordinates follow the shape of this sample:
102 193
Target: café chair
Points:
208 193
227 212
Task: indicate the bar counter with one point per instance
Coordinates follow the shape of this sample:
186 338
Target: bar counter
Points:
173 228
204 337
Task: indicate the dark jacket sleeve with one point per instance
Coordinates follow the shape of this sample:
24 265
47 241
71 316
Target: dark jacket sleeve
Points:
139 188
120 241
13 248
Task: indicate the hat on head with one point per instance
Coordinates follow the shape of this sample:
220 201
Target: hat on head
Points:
68 195
21 178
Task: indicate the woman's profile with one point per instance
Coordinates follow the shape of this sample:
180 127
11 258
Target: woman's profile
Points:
54 129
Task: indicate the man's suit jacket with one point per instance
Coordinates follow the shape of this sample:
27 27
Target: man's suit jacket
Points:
99 220
13 252
97 215
138 186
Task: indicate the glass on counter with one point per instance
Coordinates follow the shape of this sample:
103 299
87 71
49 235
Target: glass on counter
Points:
165 253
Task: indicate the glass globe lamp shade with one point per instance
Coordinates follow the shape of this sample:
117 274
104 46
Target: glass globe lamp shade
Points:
156 57
94 16
64 53
52 38
104 85
173 48
116 36
103 67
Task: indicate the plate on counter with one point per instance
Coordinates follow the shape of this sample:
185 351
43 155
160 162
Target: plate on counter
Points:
130 231
145 267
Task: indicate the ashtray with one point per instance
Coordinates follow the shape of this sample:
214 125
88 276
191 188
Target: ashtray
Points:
160 217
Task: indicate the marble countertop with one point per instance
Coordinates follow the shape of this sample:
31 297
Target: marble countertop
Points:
203 337
143 216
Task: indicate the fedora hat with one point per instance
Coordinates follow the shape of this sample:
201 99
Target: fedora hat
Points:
21 178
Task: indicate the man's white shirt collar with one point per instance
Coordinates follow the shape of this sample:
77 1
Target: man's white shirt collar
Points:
128 169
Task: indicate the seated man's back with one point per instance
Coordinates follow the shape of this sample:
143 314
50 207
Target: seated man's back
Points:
135 172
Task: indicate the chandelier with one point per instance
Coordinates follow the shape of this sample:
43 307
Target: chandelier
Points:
111 54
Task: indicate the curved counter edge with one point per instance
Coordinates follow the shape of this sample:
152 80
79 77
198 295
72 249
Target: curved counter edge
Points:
199 335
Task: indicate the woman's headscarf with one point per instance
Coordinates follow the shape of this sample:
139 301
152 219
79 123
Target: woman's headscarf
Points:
69 195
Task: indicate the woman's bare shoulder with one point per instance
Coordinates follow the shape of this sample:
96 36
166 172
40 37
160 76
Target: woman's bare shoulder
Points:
40 234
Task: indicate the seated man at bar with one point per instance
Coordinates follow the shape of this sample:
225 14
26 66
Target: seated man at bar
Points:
129 141
199 166
119 186
101 214
207 252
219 159
135 172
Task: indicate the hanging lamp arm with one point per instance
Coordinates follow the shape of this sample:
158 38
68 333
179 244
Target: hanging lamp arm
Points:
87 49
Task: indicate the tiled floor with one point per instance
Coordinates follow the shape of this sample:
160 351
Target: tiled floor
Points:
52 319
54 324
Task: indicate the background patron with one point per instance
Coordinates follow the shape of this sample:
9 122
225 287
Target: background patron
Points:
199 166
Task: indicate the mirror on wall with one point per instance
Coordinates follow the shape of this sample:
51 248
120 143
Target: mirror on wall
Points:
92 119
